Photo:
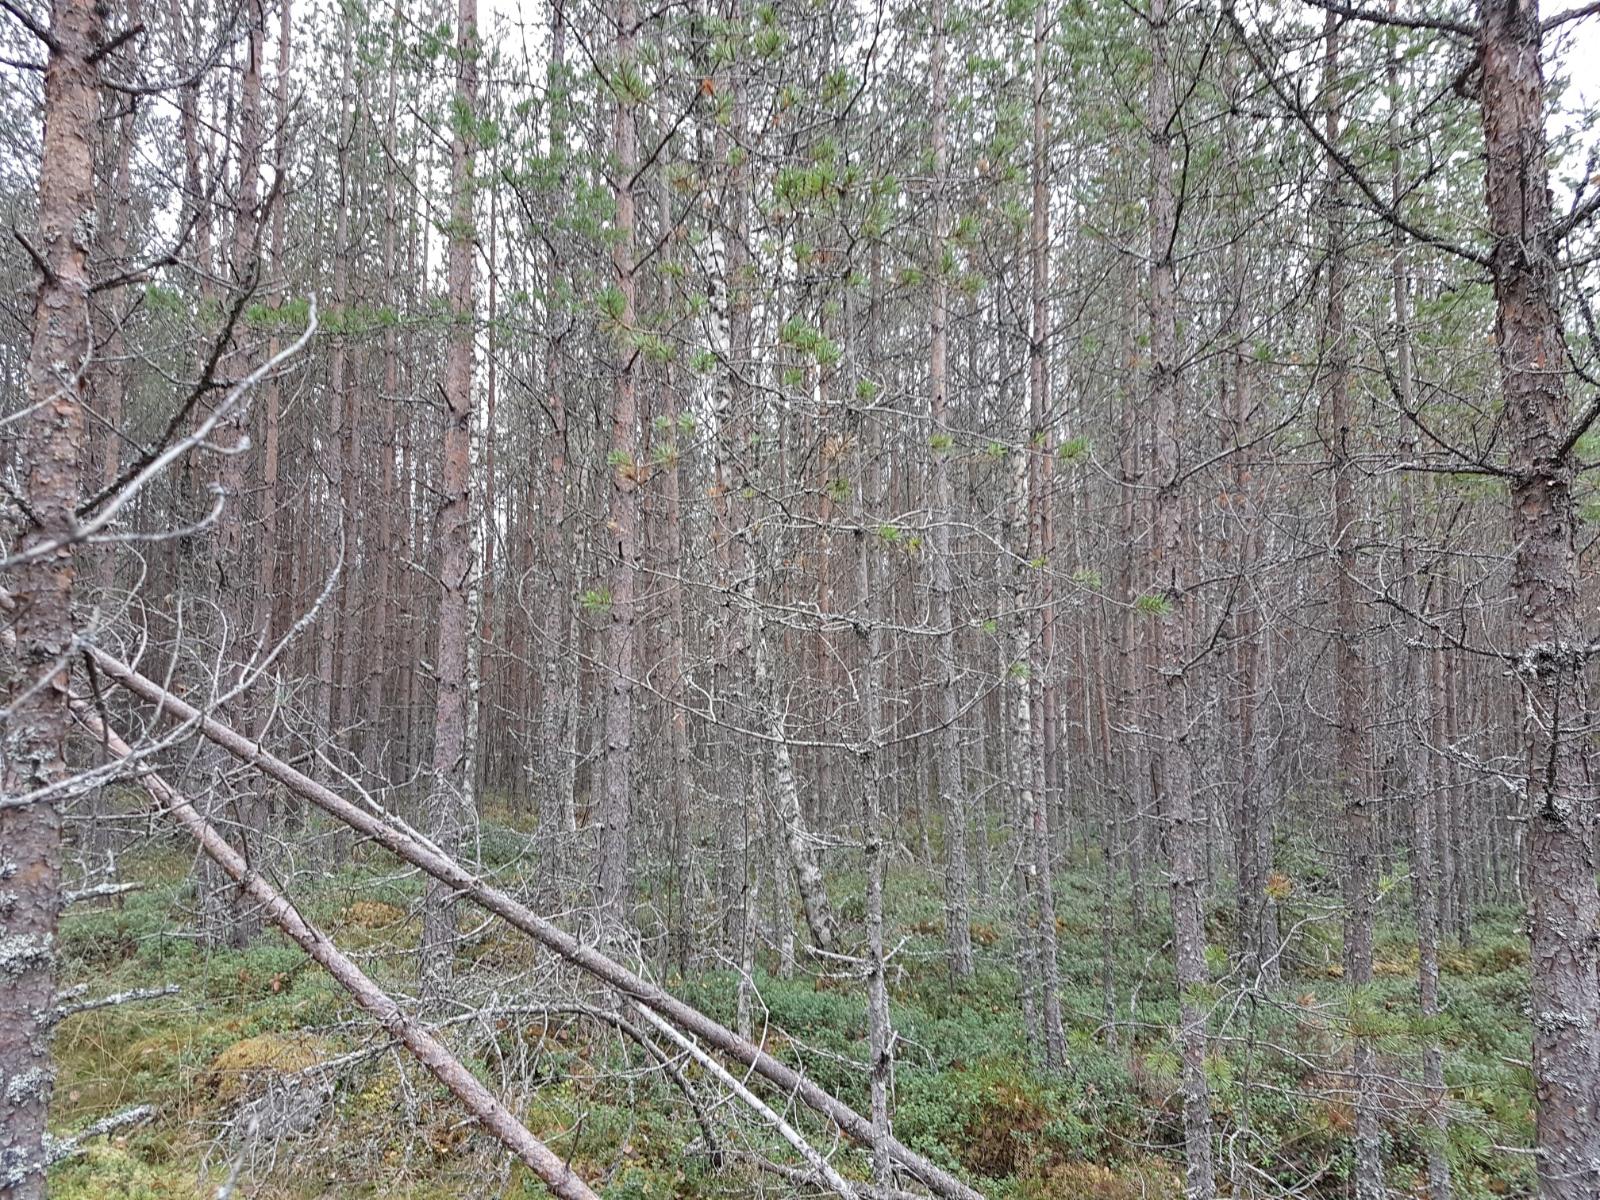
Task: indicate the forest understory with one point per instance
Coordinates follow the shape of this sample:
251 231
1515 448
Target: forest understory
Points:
261 1035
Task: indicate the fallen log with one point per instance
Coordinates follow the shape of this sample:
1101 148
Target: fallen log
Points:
404 843
444 1066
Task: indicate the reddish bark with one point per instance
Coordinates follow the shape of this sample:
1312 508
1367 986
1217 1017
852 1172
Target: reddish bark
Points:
37 675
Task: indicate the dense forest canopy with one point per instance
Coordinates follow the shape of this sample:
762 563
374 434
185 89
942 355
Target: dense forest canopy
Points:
799 597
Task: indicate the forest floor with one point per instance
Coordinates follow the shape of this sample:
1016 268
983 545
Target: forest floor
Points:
262 1038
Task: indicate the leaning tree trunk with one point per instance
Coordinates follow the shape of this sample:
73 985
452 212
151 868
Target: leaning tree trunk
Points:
797 839
1548 638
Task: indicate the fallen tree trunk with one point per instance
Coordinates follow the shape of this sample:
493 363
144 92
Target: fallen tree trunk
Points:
835 1182
406 844
444 1066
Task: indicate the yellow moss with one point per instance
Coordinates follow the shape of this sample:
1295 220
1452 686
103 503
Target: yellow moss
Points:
1145 1180
234 1073
378 1097
107 1170
984 934
374 914
1397 966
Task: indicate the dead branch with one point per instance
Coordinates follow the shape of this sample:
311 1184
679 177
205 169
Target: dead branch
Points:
400 840
443 1065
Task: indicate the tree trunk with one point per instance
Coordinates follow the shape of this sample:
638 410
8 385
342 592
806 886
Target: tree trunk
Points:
227 917
1546 625
1350 687
450 784
1169 764
1031 717
802 850
622 523
1415 777
958 936
37 678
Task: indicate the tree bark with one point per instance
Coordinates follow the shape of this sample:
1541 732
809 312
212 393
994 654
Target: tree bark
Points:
1033 626
1351 779
622 522
1546 625
952 786
226 916
37 675
1169 764
801 846
450 791
1415 777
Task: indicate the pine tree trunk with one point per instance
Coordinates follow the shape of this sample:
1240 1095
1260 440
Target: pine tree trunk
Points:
1546 616
1032 690
450 782
227 917
952 786
50 442
1350 687
622 523
1169 765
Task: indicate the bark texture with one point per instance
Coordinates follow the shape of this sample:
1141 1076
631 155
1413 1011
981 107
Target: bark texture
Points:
1169 753
36 673
449 804
1549 650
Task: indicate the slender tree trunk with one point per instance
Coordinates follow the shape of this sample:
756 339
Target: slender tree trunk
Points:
880 1033
801 846
731 677
1017 700
379 744
558 688
680 764
1252 849
1350 750
480 702
109 384
1415 777
329 623
958 937
1169 765
450 785
272 582
622 524
749 916
1033 458
227 916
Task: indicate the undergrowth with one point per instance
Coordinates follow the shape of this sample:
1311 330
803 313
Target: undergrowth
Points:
966 1092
